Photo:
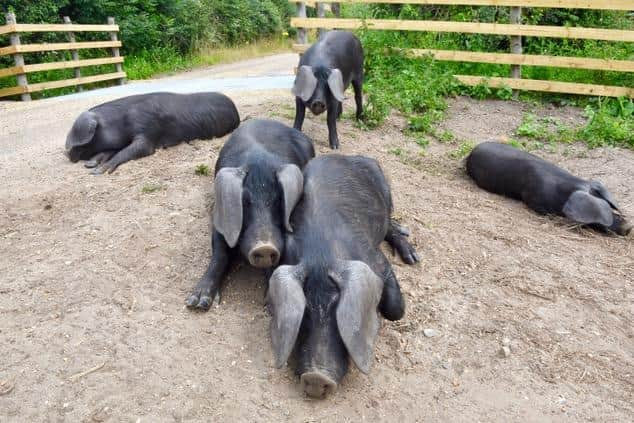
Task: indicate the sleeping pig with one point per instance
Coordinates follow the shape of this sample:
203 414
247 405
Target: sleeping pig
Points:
325 298
325 72
258 183
132 127
544 187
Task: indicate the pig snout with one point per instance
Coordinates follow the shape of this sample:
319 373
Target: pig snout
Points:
264 255
317 107
317 385
621 226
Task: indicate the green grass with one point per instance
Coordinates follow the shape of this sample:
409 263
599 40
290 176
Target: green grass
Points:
610 123
463 150
417 87
202 170
150 188
164 60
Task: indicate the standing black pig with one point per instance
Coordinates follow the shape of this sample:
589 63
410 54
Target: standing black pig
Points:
325 72
258 183
544 187
324 299
133 127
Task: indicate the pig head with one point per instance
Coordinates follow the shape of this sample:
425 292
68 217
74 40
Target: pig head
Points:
253 204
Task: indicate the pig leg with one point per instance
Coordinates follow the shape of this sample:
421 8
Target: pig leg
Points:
358 97
99 158
139 147
397 237
392 305
340 111
208 286
333 139
300 112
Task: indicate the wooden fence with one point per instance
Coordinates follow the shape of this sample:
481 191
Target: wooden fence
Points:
515 30
21 70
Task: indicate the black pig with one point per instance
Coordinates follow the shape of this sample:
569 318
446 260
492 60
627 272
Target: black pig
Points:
325 72
133 127
324 299
258 183
544 187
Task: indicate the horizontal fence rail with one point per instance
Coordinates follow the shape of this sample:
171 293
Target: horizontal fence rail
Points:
7 29
468 28
515 30
559 4
36 48
21 70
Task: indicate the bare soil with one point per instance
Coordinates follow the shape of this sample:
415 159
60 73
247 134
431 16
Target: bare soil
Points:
94 272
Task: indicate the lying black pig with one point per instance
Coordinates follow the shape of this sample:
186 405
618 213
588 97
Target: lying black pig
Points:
258 183
325 72
544 187
324 299
132 127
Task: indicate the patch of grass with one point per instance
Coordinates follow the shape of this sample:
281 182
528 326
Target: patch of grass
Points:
532 127
150 188
610 123
397 151
202 170
447 137
167 60
504 93
463 150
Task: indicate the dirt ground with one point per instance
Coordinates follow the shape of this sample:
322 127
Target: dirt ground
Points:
94 272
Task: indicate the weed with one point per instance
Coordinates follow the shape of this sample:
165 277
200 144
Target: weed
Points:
397 151
462 151
447 137
504 93
150 188
481 91
202 170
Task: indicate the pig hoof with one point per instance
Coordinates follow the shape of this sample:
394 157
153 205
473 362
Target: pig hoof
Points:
407 252
204 303
90 164
195 302
97 171
192 301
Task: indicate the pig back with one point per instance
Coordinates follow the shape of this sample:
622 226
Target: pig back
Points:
349 193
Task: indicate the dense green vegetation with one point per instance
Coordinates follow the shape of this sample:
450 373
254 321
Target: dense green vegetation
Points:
418 87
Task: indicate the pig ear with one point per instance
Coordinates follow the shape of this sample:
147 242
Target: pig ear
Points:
335 82
83 130
227 216
598 189
286 301
585 208
305 83
357 317
292 182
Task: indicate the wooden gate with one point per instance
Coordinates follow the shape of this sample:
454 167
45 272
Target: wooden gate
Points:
21 70
515 30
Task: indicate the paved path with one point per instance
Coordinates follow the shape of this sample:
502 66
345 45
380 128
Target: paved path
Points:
262 73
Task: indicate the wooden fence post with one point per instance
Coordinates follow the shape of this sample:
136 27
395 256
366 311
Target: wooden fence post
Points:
321 13
516 45
336 9
115 51
18 58
74 53
302 35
